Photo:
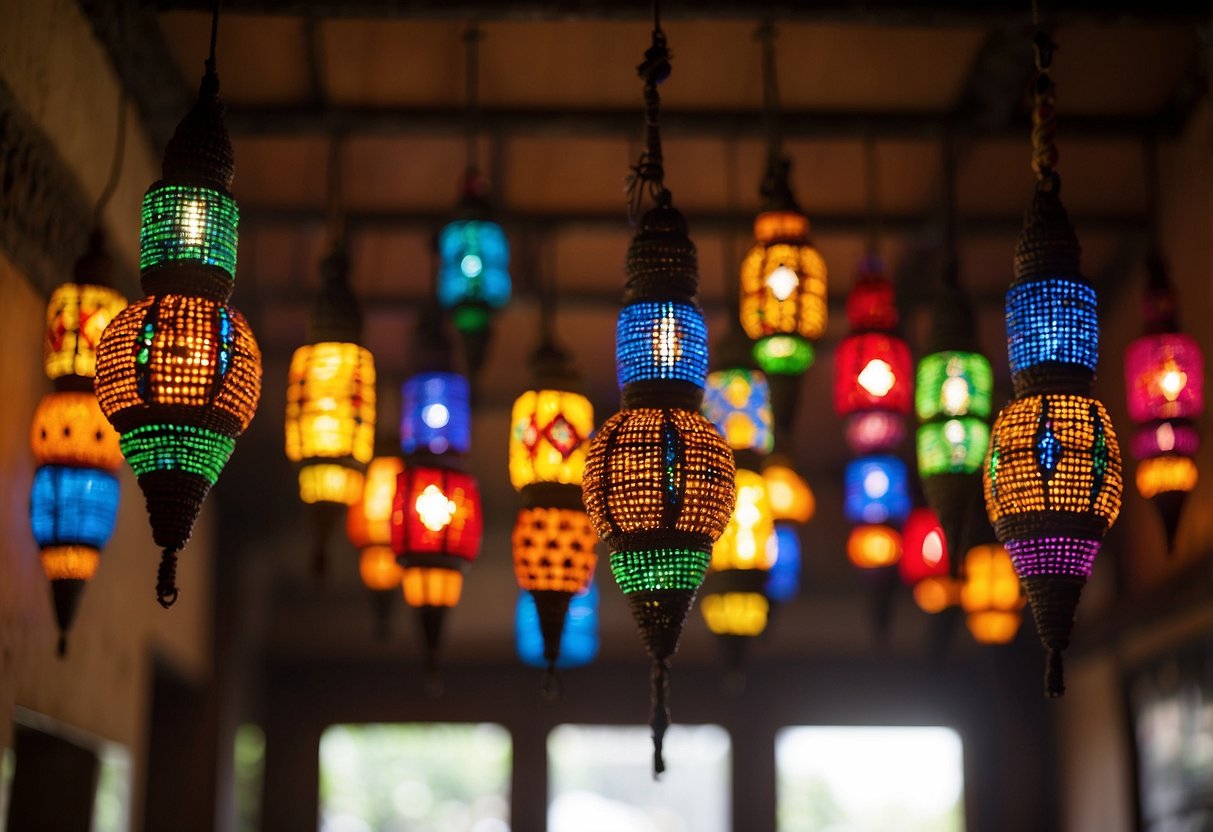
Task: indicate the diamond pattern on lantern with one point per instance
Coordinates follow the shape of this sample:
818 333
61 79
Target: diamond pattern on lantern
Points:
562 435
530 435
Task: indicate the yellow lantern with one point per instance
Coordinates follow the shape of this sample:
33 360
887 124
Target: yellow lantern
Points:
735 613
76 315
1166 473
426 587
991 596
549 435
790 497
747 540
872 546
330 419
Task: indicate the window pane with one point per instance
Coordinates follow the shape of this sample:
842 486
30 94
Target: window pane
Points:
869 780
420 777
600 779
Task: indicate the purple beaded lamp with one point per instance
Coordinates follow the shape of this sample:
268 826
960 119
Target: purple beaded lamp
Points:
1053 474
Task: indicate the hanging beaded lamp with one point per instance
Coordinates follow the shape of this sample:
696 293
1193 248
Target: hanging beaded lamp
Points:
925 564
873 387
330 404
369 528
74 499
953 395
990 594
553 542
179 372
658 483
1053 472
784 304
1164 382
474 254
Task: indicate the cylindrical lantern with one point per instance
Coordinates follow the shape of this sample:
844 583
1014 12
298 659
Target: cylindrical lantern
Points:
1164 377
783 282
70 429
76 315
740 614
436 413
790 496
991 594
873 546
738 402
549 437
746 541
876 490
658 483
369 528
924 565
436 514
179 373
579 640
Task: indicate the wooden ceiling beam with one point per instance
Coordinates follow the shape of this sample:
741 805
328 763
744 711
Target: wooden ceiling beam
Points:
878 12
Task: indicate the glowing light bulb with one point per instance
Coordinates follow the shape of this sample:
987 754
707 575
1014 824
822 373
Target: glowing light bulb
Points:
932 548
955 395
1172 382
954 431
667 346
877 378
782 282
435 416
434 508
1164 435
471 265
193 223
876 483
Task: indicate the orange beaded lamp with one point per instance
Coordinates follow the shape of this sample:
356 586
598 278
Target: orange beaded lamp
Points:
330 404
1053 472
658 481
369 527
991 595
179 372
74 498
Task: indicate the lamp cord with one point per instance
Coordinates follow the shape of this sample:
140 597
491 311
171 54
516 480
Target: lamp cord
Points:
335 206
117 160
871 168
210 61
648 173
1044 112
770 92
951 269
471 40
732 276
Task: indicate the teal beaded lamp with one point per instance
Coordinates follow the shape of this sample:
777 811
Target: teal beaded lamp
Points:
179 372
658 484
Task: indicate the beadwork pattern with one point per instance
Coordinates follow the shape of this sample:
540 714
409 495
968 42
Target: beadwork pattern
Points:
876 490
872 372
554 549
330 405
188 223
783 280
1053 556
76 315
657 569
956 446
738 403
69 429
549 437
172 447
661 340
1052 320
953 383
436 511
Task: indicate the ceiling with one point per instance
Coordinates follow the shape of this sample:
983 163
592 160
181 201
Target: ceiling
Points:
870 96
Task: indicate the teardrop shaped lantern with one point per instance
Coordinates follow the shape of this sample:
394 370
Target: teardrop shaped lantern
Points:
658 481
179 372
1164 382
579 631
1053 472
369 528
330 405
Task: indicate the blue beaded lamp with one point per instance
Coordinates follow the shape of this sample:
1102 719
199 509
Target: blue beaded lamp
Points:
658 484
1053 473
179 372
579 639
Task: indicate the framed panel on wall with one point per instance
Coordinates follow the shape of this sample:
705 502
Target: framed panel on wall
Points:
1171 708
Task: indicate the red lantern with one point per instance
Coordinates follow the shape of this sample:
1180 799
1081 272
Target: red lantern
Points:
924 564
436 516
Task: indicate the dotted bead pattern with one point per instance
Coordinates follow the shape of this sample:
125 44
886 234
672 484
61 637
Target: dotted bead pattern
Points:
803 311
70 429
659 569
940 453
1052 320
188 224
171 447
1043 556
330 404
661 341
76 315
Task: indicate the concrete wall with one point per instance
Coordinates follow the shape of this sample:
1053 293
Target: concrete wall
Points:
60 77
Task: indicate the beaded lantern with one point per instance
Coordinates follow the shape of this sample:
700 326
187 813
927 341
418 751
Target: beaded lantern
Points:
1164 382
437 524
782 290
876 490
872 546
330 404
553 542
369 528
925 565
953 395
790 496
579 642
658 483
1053 473
74 500
991 594
872 380
737 398
436 413
179 372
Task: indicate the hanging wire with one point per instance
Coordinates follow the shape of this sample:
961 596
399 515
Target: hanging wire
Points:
648 174
1044 107
210 61
871 167
770 91
546 286
728 246
117 160
334 195
471 41
1156 269
948 171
